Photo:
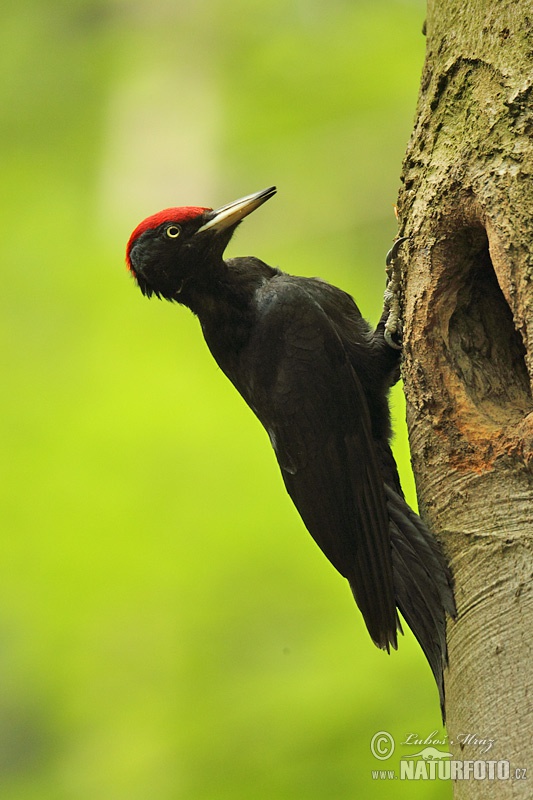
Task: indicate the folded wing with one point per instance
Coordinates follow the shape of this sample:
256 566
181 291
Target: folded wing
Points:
315 411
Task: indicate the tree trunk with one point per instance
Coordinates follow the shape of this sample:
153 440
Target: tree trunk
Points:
466 205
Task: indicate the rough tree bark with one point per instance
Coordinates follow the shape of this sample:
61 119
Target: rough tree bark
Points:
467 274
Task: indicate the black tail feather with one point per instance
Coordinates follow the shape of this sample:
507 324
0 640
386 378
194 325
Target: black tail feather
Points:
422 584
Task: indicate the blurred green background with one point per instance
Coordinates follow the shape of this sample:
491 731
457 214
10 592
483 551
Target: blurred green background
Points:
168 629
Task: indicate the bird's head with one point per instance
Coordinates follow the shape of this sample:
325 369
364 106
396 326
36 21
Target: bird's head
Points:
178 246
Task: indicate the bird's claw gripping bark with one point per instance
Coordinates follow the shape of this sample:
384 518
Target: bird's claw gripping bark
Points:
393 325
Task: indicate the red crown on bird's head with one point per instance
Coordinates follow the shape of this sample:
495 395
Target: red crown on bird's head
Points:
167 215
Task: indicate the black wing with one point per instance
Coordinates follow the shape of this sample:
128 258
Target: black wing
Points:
313 406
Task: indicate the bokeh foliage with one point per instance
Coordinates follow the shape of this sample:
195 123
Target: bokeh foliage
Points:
167 627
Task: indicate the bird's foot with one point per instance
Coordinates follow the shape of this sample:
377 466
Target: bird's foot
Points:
393 325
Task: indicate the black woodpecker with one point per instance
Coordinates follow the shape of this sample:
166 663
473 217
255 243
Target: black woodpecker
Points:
317 377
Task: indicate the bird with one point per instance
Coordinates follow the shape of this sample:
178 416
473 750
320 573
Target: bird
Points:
317 376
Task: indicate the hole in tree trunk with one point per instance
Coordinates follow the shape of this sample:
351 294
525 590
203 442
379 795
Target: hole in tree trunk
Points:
485 349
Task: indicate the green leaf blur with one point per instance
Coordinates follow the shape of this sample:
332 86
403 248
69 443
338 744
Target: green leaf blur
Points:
168 629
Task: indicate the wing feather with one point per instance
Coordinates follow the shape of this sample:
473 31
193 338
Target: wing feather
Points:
315 411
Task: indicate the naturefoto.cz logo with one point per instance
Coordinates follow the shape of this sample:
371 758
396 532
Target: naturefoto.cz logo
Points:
429 762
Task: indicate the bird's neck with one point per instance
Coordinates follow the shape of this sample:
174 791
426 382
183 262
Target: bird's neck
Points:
225 301
226 290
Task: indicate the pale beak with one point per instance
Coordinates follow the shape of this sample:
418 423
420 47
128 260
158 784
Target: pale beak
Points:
225 217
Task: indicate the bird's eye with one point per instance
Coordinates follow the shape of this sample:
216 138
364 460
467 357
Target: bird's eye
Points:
173 231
